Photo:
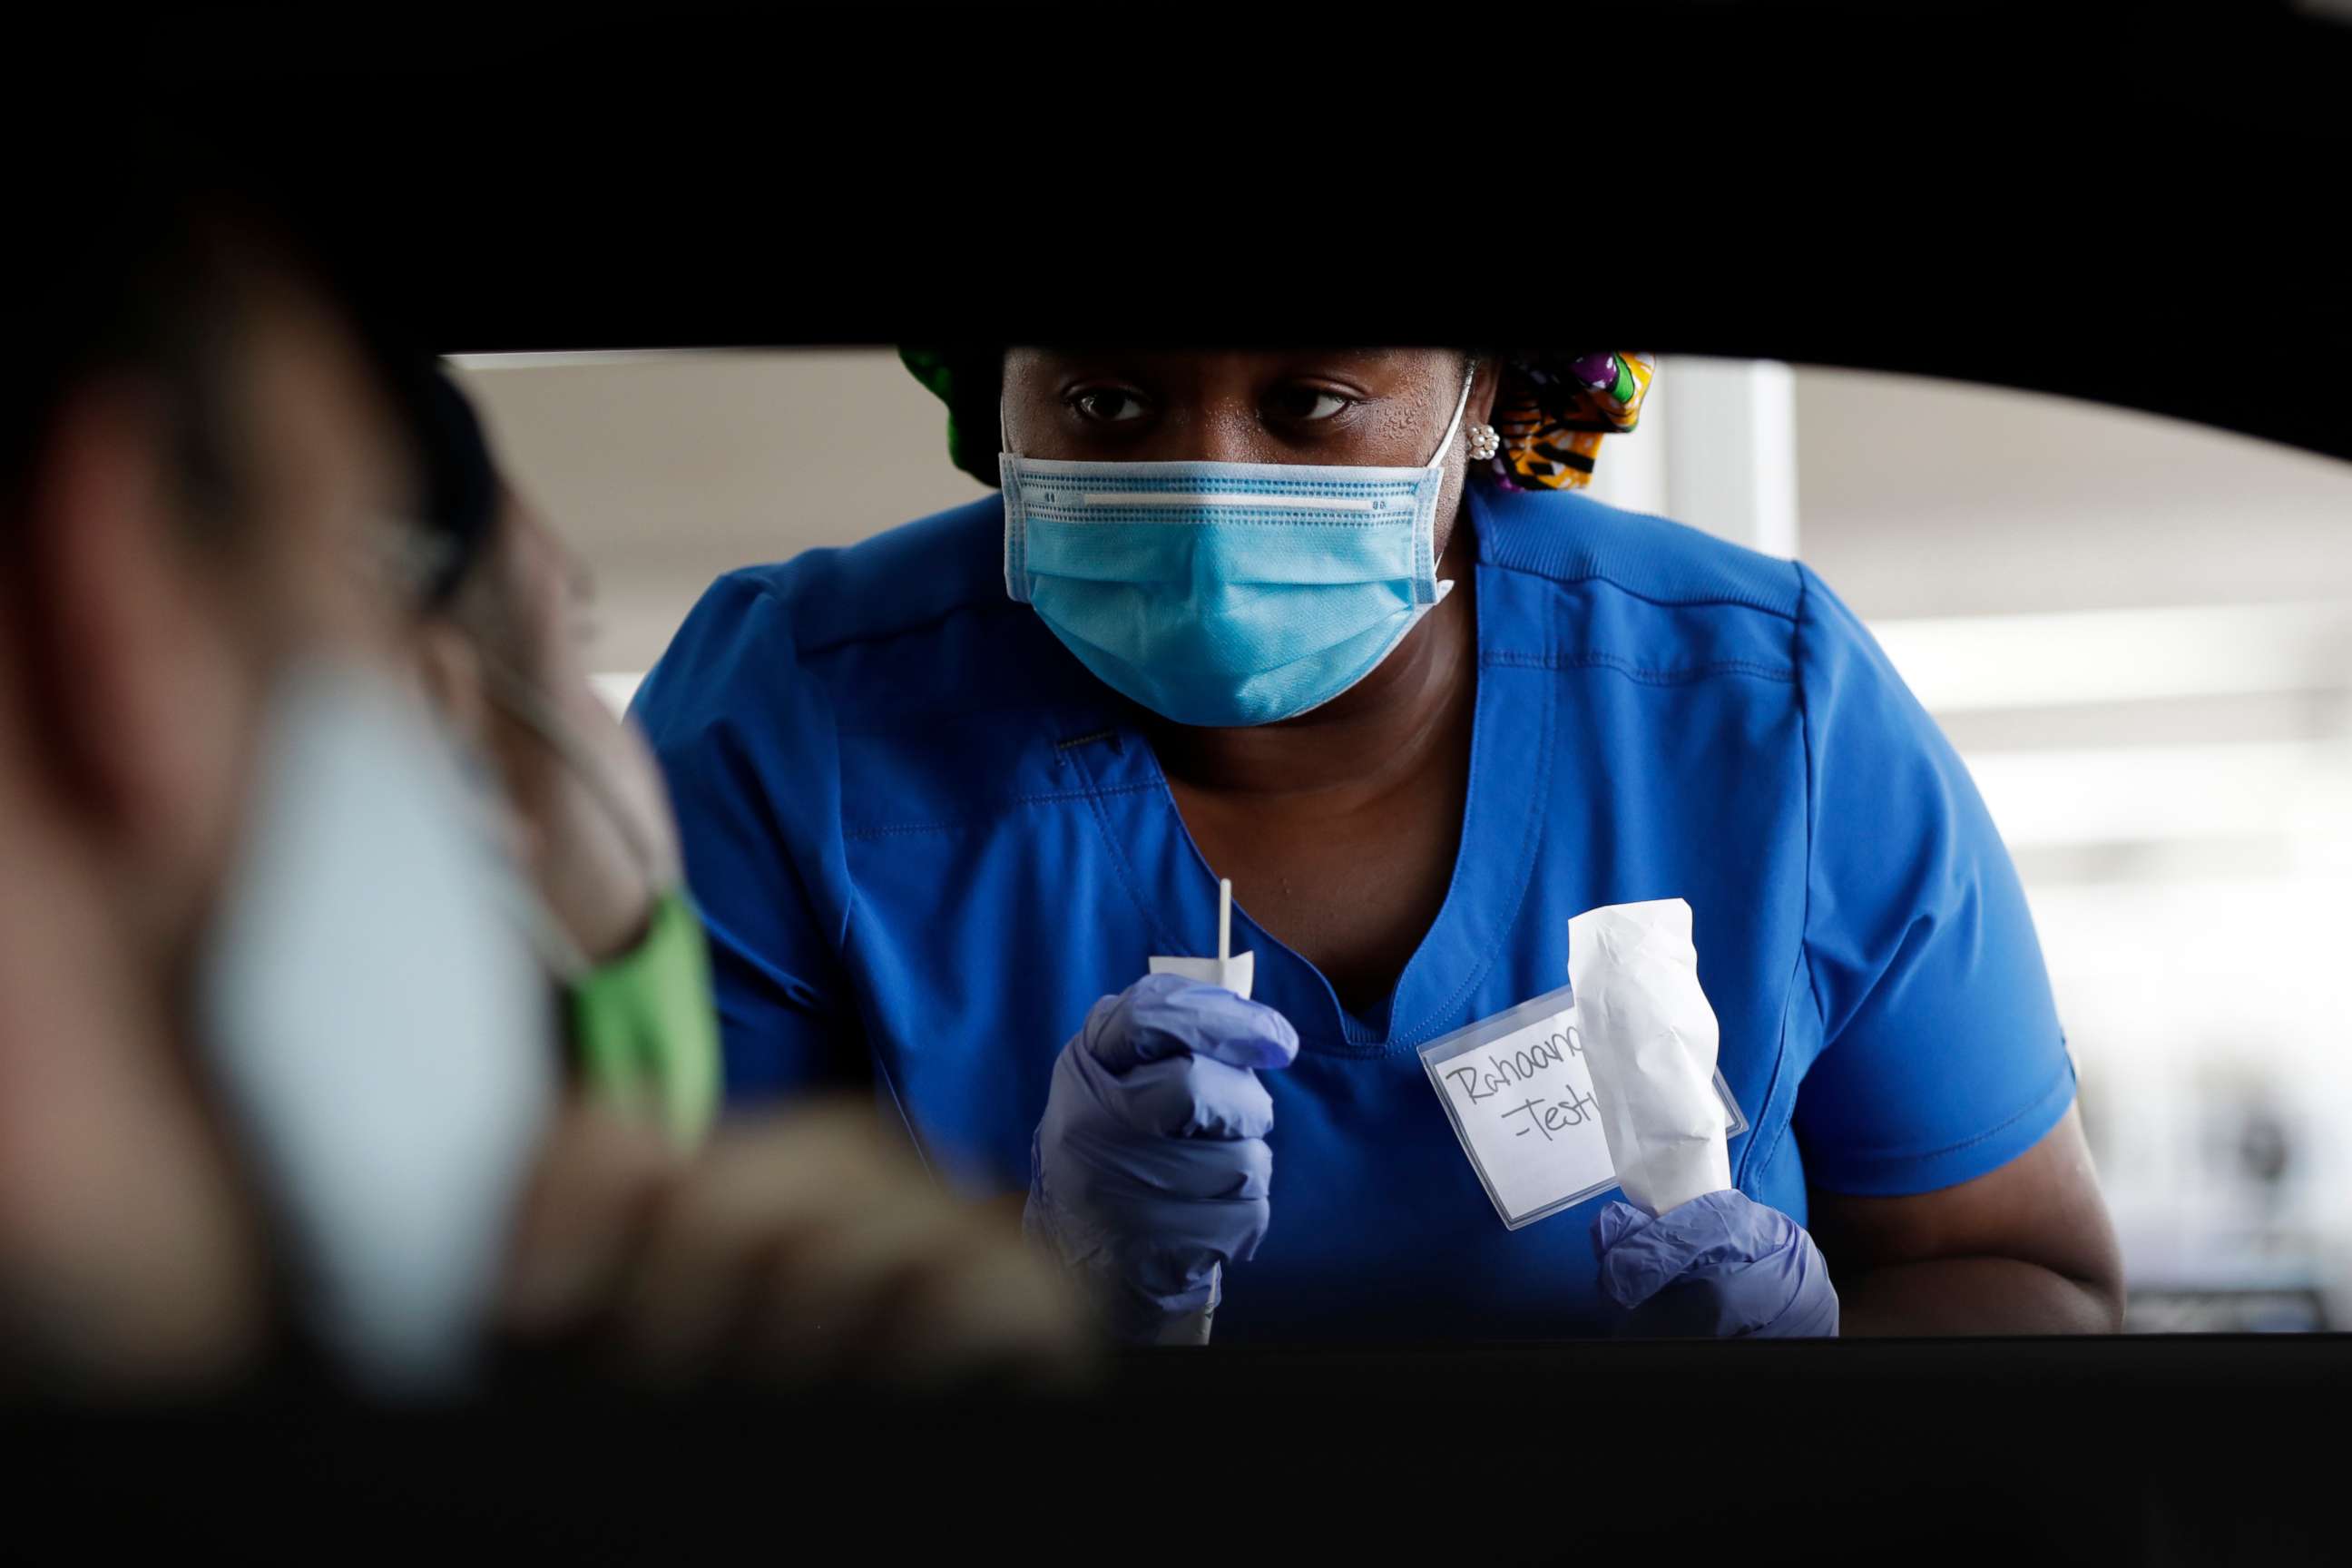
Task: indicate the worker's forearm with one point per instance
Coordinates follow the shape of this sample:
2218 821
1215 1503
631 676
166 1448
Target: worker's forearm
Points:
1973 1296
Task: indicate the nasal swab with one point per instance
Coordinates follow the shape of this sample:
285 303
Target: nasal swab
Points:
1236 972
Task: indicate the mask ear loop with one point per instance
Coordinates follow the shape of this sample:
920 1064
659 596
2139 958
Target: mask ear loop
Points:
550 942
514 695
1461 406
564 958
1437 463
520 699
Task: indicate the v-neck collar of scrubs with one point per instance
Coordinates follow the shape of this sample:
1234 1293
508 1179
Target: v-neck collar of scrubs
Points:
1510 755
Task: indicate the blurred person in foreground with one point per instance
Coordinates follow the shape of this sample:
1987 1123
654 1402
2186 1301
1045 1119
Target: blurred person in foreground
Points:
505 614
278 1070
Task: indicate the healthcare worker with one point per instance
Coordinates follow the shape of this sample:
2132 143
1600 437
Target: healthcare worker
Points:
1338 627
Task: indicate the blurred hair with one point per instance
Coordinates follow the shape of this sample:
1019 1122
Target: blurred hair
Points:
153 263
461 491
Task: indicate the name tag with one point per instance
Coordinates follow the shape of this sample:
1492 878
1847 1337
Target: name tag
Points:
1517 1089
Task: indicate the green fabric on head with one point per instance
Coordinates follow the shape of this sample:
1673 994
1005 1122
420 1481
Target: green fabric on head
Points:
968 381
930 368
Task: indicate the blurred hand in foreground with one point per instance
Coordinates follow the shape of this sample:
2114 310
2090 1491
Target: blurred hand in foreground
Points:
796 1249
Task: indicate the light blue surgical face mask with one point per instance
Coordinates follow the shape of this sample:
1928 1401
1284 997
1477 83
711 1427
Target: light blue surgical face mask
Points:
378 1029
1226 594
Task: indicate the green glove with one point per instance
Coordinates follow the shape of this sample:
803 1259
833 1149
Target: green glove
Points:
647 1029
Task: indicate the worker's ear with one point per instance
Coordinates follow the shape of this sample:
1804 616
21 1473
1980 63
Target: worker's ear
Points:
148 699
1485 388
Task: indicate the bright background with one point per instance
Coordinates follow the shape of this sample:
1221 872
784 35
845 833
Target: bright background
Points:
2137 633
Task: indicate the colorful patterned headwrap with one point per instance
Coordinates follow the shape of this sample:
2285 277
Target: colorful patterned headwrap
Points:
1551 410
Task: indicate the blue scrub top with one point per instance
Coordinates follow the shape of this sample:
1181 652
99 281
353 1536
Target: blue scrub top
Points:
926 839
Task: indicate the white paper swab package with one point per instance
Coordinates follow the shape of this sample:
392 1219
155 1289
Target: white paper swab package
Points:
1233 971
1650 1041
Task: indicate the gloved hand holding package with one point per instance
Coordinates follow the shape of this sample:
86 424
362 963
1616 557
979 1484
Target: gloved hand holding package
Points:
1649 1041
1688 1253
1722 1266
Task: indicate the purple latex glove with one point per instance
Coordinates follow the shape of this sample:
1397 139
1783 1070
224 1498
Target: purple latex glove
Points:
1722 1266
1150 1171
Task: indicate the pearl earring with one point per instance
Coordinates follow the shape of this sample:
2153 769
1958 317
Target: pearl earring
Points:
1484 443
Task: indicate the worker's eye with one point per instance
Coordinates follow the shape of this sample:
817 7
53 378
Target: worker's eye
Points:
1108 405
1304 405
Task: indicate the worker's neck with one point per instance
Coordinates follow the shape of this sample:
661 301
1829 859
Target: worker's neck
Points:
1390 726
